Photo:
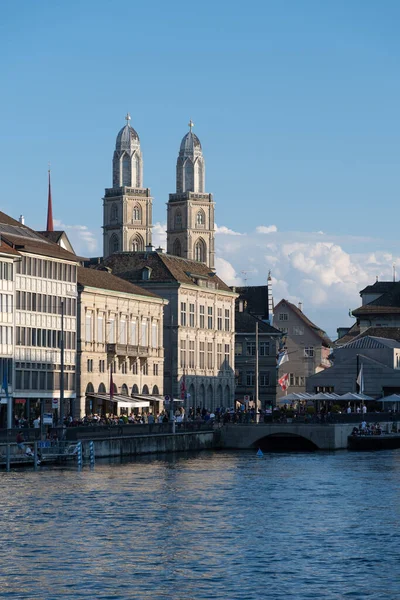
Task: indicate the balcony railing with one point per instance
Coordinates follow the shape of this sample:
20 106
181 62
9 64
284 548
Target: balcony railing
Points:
128 350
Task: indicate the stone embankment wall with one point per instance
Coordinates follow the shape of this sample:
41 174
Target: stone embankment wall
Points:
151 444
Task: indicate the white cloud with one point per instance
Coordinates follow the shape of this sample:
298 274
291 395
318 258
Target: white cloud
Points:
266 229
227 272
82 239
226 230
159 235
323 271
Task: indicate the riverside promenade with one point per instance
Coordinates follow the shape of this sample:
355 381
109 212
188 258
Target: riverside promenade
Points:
119 441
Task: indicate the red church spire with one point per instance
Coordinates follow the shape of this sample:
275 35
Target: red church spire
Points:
50 226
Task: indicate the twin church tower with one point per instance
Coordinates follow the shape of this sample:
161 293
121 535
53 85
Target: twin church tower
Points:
127 219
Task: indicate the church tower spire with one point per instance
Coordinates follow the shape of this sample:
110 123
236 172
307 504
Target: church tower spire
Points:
190 212
127 214
50 224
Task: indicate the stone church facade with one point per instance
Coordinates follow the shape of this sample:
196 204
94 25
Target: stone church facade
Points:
199 318
127 206
190 212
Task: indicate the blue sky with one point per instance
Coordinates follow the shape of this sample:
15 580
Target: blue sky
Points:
296 104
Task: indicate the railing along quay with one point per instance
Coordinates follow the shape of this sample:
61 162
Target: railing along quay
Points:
94 432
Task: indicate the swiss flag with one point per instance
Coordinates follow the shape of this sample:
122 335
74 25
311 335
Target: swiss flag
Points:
284 382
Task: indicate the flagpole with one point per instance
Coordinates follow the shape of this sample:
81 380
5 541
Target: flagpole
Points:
257 379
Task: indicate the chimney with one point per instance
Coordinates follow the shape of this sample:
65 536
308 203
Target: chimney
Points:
22 219
160 250
149 248
270 306
240 303
301 306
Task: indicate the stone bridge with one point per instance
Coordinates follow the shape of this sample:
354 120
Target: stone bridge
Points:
286 436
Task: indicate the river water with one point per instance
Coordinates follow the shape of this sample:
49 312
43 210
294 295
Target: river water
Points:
211 525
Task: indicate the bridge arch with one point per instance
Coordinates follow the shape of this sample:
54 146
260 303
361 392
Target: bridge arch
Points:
285 441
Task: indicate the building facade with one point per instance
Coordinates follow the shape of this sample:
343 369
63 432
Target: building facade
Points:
199 324
376 358
245 358
190 211
127 206
308 346
44 316
120 338
8 259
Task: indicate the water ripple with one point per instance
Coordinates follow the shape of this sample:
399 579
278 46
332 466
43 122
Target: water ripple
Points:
227 526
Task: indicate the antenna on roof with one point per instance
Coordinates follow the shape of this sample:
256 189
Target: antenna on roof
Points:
245 278
394 271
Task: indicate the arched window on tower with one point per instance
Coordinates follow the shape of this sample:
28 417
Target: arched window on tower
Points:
200 176
176 249
114 244
178 219
137 214
138 172
200 219
137 243
200 251
189 176
126 171
114 213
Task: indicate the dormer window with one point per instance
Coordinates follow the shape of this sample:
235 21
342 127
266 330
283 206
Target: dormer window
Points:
146 273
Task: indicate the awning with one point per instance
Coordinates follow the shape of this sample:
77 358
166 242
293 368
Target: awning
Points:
392 398
352 396
121 401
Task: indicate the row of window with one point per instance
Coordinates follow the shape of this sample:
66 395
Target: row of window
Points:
6 271
47 269
44 338
200 219
206 355
248 378
6 303
6 335
297 380
188 318
249 348
121 367
296 329
43 380
45 303
134 332
136 214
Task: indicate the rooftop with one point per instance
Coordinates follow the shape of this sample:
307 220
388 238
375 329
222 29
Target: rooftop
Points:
246 323
256 299
163 268
106 281
22 238
326 341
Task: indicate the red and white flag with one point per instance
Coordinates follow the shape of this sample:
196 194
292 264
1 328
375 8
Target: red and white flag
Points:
284 382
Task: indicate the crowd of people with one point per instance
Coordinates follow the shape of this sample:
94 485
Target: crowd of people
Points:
367 429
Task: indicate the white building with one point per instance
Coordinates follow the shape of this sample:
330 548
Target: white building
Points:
44 314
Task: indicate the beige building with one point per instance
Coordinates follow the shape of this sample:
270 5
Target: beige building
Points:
120 329
308 346
199 324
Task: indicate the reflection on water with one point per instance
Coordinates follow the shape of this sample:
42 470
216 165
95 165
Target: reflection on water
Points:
212 525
